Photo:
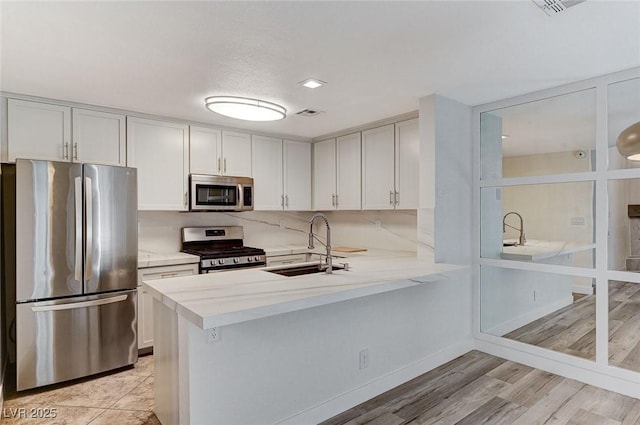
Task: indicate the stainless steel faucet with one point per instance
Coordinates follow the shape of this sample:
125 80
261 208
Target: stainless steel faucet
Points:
327 245
521 239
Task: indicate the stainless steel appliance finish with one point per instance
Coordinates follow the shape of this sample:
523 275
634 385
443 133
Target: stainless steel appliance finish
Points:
73 228
220 193
221 248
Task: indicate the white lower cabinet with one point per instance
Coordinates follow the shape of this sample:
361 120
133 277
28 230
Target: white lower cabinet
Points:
145 300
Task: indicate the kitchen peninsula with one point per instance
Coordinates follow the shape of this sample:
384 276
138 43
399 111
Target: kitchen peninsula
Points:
251 346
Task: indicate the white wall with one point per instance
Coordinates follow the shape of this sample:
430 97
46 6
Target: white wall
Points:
159 231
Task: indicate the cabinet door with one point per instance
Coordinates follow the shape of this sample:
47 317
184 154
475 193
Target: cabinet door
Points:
205 150
324 175
378 168
407 164
145 300
349 188
267 173
160 152
236 154
98 137
38 131
297 176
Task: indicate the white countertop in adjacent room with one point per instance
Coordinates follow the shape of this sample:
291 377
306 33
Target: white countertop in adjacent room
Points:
218 299
156 259
534 250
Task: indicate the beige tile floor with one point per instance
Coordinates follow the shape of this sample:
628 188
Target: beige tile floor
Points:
124 397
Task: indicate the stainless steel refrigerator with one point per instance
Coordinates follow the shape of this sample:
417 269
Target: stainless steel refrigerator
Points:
69 269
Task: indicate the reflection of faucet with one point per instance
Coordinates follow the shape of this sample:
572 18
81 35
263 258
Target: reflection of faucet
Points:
327 245
522 239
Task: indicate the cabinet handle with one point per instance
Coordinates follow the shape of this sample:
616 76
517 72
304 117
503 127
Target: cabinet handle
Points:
186 199
225 165
391 197
397 198
65 154
333 200
219 165
286 201
75 151
282 201
336 200
166 275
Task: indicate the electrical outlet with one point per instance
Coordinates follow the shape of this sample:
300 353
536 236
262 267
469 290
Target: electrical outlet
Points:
577 221
378 224
213 335
364 359
283 223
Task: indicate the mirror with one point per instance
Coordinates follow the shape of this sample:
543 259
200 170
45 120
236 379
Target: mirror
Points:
537 308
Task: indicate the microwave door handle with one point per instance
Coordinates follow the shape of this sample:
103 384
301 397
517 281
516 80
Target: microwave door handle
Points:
240 196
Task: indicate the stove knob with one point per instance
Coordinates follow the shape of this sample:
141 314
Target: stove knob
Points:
257 258
249 259
236 260
221 261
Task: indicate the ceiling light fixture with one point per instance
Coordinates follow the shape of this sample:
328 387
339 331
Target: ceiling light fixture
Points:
628 142
245 108
312 83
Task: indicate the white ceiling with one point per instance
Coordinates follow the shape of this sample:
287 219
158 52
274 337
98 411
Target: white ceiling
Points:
379 58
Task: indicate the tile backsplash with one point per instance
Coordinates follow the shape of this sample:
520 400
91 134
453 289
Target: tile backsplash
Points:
159 231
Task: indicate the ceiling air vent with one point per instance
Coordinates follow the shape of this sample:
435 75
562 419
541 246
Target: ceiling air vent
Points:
309 112
551 7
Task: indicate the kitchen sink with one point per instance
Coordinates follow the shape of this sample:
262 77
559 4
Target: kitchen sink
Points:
302 270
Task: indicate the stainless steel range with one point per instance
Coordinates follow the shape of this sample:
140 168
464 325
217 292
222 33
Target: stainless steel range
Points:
221 248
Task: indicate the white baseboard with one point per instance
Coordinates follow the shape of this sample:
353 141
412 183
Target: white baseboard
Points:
524 319
349 399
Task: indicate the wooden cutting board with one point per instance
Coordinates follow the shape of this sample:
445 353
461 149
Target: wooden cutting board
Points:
347 249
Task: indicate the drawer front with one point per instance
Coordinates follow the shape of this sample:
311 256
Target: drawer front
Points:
281 260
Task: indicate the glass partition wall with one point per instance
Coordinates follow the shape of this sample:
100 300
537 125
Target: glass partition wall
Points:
558 210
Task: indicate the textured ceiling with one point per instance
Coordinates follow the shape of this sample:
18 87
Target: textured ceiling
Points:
379 58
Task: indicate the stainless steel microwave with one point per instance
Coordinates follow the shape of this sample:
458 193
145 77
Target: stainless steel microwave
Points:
220 193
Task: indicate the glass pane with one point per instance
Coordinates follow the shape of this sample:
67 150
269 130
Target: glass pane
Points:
624 225
550 136
545 223
623 107
540 309
624 318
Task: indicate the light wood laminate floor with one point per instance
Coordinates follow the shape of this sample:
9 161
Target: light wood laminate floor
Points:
478 388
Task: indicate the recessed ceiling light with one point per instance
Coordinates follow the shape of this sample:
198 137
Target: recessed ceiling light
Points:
245 108
312 83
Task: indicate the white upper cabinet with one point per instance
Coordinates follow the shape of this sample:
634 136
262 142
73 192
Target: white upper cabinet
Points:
267 173
236 154
38 131
43 131
407 164
160 152
281 174
324 175
297 176
205 150
348 177
98 137
378 188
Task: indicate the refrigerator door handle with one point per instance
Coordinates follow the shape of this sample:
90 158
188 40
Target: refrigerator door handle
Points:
77 272
88 229
81 304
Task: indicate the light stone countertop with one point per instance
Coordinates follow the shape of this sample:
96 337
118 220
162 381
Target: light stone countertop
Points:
218 299
535 250
156 259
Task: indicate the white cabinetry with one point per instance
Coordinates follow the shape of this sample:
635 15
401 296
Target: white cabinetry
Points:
160 152
390 166
145 300
220 153
336 173
283 260
43 131
281 173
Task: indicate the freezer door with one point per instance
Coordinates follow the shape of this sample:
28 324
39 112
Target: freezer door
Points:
74 337
111 228
48 198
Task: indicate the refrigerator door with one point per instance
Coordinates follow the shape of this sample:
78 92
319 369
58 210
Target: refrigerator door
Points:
74 337
111 228
48 227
